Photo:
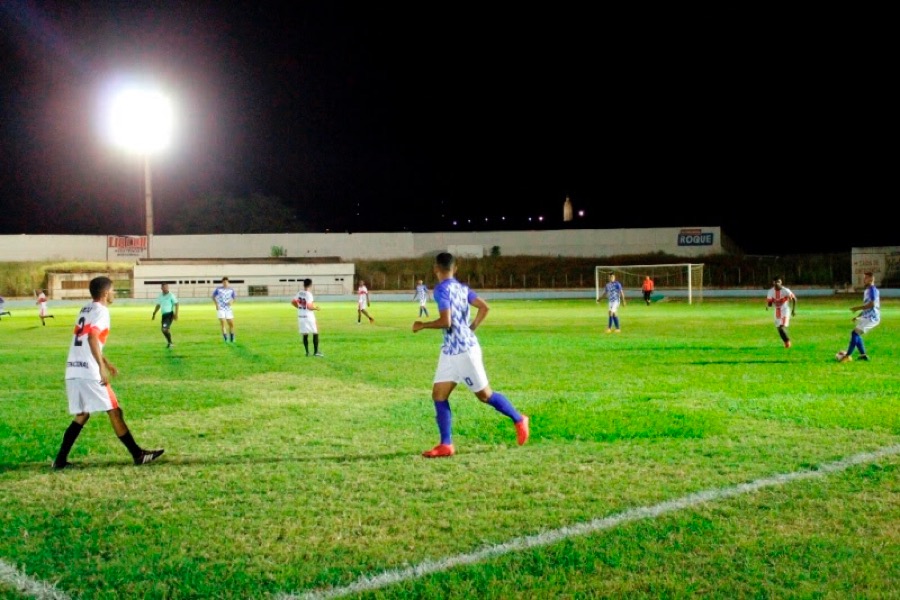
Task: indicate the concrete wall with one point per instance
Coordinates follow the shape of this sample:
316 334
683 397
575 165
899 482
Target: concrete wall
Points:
688 242
883 262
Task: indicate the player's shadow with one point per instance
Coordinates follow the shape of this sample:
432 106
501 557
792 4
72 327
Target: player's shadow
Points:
738 362
189 460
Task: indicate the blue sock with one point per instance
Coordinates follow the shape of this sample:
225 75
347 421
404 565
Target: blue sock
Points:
502 405
609 323
232 337
616 321
224 337
854 342
444 419
859 344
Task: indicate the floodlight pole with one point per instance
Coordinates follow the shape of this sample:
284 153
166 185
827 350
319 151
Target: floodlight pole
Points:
148 198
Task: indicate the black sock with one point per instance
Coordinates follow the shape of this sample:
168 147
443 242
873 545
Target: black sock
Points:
69 437
132 446
168 336
306 343
316 343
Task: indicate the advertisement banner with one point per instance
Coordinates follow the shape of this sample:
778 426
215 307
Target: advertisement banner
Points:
695 237
126 246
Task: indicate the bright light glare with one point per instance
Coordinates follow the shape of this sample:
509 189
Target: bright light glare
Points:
141 121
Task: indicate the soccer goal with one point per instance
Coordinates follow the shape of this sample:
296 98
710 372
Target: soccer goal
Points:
682 280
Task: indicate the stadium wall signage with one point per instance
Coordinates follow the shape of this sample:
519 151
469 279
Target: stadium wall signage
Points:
695 237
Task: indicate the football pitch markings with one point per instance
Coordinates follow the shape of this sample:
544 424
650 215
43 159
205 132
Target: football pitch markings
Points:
366 584
27 586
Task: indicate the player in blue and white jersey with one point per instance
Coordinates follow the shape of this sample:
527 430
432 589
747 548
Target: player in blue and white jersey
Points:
460 359
223 297
421 295
615 295
866 320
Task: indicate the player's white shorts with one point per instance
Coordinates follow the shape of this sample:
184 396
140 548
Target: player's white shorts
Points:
783 321
42 307
362 305
613 306
467 367
89 396
225 313
307 324
864 325
423 302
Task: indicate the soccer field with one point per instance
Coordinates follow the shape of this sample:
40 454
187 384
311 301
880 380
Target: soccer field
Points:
692 455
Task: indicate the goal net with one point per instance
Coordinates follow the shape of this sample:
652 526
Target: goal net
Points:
682 280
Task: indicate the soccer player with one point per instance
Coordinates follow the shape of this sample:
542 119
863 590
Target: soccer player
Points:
865 321
614 294
460 359
87 377
42 307
363 303
421 295
306 316
647 289
223 297
168 303
780 297
2 311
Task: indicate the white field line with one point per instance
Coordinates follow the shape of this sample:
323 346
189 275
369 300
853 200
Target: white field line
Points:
27 586
381 580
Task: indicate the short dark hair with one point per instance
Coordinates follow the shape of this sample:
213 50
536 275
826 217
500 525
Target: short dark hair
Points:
445 261
307 282
99 286
225 279
869 273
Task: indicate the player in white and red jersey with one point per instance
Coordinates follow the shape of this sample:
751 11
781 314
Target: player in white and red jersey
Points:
363 302
87 377
42 307
785 303
306 316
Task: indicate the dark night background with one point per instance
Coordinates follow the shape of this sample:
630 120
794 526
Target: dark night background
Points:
412 117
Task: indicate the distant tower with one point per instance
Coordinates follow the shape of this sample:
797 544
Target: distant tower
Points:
567 210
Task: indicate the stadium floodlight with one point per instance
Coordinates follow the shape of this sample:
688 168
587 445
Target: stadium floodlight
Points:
142 121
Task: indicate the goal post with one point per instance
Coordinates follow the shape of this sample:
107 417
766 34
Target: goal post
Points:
671 280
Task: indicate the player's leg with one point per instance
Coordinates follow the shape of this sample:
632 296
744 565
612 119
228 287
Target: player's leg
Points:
231 329
863 326
306 343
138 454
442 386
79 419
471 365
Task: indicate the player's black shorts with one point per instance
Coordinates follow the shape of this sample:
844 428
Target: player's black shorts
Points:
167 319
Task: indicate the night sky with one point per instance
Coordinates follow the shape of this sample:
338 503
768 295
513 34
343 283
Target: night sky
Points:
382 117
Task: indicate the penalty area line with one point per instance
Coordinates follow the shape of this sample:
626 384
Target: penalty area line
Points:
387 578
27 586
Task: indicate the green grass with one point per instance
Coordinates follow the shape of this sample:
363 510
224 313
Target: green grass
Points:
287 474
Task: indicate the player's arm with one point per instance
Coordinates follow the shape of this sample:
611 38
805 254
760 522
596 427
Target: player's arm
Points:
442 322
622 294
155 310
176 311
793 305
482 310
107 369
